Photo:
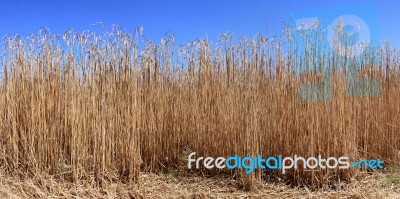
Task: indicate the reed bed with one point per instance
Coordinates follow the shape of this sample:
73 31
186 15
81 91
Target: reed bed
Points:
83 105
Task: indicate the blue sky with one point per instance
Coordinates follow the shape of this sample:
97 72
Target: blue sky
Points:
192 19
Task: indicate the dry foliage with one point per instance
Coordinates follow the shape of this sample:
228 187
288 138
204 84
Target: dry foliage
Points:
80 105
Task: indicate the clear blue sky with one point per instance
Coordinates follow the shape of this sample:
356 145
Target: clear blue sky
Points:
192 19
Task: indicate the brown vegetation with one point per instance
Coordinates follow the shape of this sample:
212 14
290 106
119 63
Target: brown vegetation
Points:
89 105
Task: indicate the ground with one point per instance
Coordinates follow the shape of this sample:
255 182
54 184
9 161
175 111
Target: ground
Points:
378 185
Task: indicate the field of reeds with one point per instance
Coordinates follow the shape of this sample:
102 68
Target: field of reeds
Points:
108 106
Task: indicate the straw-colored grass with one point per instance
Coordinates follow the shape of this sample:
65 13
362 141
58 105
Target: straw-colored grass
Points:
163 186
78 106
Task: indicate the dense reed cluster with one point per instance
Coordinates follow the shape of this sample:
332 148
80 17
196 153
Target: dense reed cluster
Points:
107 106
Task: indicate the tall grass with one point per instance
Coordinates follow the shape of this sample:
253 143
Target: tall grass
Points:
83 105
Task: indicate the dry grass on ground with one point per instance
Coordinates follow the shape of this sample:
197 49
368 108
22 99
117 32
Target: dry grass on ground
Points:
152 185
